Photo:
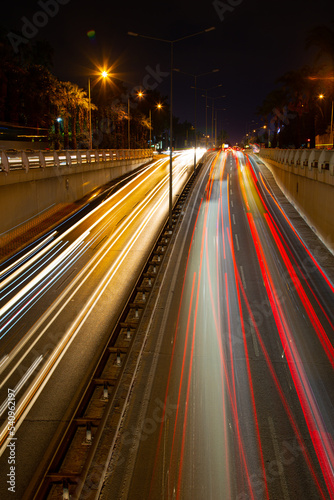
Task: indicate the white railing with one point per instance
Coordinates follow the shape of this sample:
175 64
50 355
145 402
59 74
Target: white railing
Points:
321 159
16 160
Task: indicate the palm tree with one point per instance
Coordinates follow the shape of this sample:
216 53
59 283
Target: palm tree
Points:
79 104
71 101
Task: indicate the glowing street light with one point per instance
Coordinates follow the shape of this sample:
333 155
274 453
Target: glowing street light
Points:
104 74
158 106
141 94
322 96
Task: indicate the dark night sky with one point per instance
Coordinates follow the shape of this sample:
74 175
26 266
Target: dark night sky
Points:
256 42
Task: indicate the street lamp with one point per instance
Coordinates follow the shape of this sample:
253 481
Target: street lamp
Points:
104 74
206 110
158 106
216 120
321 96
195 87
171 42
213 105
141 94
328 78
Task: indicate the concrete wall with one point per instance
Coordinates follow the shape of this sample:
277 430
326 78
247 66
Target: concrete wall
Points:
24 195
309 186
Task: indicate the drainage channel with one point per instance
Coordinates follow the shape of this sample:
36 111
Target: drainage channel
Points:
67 471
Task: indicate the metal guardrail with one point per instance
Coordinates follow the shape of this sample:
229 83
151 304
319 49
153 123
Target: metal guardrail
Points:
16 160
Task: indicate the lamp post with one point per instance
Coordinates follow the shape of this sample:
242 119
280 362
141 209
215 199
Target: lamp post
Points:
171 43
104 74
90 116
195 87
216 118
129 123
331 135
206 110
158 106
321 96
213 105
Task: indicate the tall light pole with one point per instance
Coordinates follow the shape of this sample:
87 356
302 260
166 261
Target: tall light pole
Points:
206 110
195 87
129 144
321 96
158 106
218 109
171 42
331 136
104 74
90 116
213 105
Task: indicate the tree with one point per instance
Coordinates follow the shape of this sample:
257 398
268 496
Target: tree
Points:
273 112
322 38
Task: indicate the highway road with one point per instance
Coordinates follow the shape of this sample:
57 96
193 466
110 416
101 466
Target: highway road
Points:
234 396
59 301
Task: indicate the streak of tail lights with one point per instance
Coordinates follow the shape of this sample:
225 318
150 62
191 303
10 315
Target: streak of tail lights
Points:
321 442
257 216
314 261
313 419
204 273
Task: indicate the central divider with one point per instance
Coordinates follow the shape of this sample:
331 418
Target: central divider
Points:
66 473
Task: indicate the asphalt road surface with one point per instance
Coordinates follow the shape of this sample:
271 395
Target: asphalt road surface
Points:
234 395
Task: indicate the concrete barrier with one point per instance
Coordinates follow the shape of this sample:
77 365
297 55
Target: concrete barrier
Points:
326 160
314 158
298 157
292 155
306 177
17 159
28 192
304 158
